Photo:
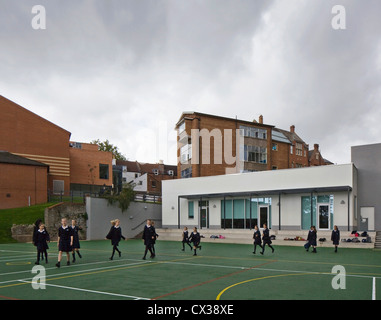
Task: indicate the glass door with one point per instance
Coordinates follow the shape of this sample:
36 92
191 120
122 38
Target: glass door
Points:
263 216
324 216
204 214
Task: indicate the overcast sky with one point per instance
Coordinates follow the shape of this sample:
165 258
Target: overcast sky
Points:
126 70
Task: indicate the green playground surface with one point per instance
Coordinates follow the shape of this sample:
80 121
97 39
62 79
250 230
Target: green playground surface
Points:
218 272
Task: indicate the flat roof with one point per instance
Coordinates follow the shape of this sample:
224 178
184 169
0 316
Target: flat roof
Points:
254 194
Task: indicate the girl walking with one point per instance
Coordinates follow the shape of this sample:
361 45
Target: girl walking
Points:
266 239
65 241
148 238
257 239
76 245
115 235
186 239
335 237
195 238
41 239
311 238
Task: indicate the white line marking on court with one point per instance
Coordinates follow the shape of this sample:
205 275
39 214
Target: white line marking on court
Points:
72 265
374 289
80 271
91 291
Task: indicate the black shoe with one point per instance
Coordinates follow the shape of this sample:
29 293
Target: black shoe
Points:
120 254
79 254
261 253
68 263
37 262
58 264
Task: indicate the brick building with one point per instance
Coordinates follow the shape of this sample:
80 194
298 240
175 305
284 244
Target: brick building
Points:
210 145
90 169
146 177
25 134
23 181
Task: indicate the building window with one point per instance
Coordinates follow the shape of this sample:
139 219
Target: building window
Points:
103 171
291 149
153 184
181 127
58 186
190 209
186 173
186 152
275 147
299 149
253 132
255 154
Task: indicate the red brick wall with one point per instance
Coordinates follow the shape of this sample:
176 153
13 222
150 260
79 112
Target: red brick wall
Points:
84 165
24 133
19 182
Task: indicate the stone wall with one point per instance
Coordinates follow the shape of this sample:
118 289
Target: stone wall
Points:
54 214
22 232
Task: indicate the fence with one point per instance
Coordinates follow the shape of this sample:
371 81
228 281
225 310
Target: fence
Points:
80 197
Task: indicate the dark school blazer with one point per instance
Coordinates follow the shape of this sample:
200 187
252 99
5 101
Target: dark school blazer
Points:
266 236
257 237
115 235
147 235
335 237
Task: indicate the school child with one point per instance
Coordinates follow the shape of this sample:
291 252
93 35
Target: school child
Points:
65 241
266 239
335 237
115 235
76 245
257 239
311 238
155 237
186 239
148 238
40 240
35 229
195 238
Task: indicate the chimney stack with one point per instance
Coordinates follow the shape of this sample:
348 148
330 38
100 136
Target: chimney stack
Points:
292 129
261 119
316 147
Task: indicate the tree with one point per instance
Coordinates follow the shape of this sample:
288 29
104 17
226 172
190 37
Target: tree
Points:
123 199
107 146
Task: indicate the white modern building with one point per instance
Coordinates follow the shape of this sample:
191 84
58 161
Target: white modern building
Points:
289 199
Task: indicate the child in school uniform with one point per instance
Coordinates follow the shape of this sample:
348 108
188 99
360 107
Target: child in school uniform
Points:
155 236
266 239
35 229
257 239
76 246
41 239
65 241
311 238
186 239
335 237
115 235
195 238
148 238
